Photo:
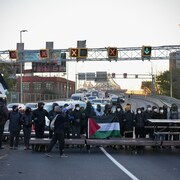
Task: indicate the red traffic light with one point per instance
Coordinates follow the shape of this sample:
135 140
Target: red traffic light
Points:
44 53
13 54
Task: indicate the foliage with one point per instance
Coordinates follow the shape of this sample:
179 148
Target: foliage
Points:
164 84
7 71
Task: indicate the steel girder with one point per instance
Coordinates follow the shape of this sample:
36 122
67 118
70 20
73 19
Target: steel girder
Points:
96 54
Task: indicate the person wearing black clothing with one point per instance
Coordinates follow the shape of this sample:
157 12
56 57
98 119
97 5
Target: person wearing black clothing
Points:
139 122
120 115
3 119
38 116
148 115
58 132
14 127
174 114
87 113
51 115
27 127
107 110
76 122
128 122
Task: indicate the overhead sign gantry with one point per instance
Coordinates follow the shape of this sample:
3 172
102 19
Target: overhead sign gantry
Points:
90 54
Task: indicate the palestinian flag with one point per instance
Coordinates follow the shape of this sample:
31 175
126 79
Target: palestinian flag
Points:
103 127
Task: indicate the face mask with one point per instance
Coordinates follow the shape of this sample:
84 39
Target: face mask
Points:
149 109
77 108
118 109
155 110
139 112
161 111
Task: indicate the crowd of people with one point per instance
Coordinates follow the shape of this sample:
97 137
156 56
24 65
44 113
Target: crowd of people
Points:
71 122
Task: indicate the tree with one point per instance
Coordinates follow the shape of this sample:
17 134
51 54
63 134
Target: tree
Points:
164 84
8 73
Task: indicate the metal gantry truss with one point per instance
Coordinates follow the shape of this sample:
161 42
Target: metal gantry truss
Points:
95 54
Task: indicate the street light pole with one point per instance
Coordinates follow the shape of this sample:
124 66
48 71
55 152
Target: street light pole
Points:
21 69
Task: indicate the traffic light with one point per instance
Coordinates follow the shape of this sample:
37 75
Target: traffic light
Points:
124 75
44 53
13 54
146 52
112 52
113 75
82 53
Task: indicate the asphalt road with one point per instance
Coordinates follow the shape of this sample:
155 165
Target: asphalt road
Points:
112 164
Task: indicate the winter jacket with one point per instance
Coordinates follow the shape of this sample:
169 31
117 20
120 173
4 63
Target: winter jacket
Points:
15 121
128 121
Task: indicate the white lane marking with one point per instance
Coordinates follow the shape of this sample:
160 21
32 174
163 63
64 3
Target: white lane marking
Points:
120 166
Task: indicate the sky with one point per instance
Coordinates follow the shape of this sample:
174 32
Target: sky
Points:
102 23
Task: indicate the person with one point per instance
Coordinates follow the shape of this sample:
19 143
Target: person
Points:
148 115
128 121
120 115
87 113
76 122
38 116
3 119
27 127
67 110
107 110
174 114
14 126
58 133
51 115
162 115
139 122
98 110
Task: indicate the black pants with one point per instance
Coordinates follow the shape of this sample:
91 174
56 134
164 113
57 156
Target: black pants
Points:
14 138
140 132
1 133
58 136
39 131
76 130
27 136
